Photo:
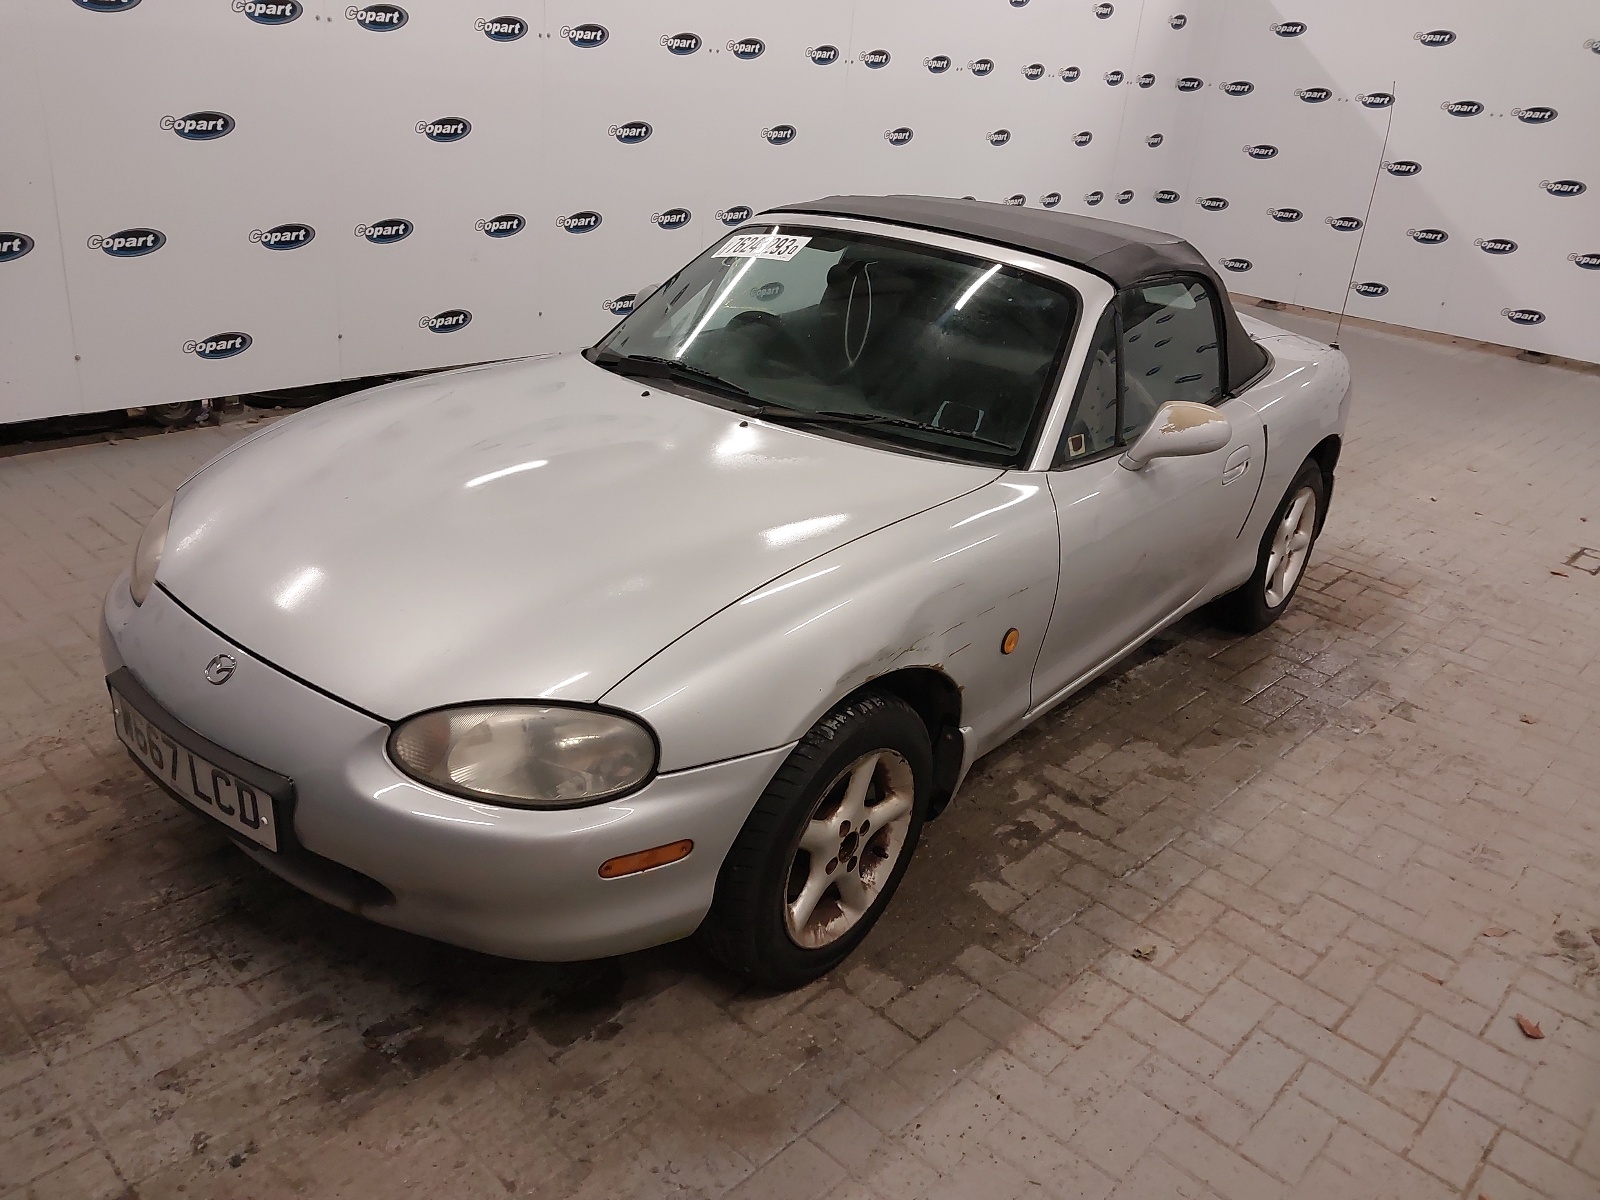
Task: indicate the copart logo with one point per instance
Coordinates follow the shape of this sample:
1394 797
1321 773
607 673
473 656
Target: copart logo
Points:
586 36
1522 316
1589 262
129 243
747 48
505 225
621 306
632 133
1050 199
823 56
1261 151
1125 196
734 214
200 126
780 135
1154 140
1115 77
1016 201
1236 264
1103 11
219 345
1314 95
766 293
1212 203
1535 116
13 246
1462 108
681 43
1082 139
1288 28
1033 71
1094 197
1370 289
997 137
1190 83
1375 99
672 218
1286 215
283 237
1177 20
1167 196
445 129
449 321
1428 237
1239 87
1346 224
501 29
1070 74
981 66
1496 245
898 137
579 222
107 6
876 59
385 233
1403 167
1564 187
937 64
269 12
379 18
1435 37
1147 80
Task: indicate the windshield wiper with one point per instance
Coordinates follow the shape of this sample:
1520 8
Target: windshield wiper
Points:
667 368
831 417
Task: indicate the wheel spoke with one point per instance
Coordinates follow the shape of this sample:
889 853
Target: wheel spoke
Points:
889 810
803 905
853 807
820 839
1292 521
855 897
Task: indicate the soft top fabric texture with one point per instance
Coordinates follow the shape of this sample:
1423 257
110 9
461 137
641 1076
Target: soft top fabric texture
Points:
1122 254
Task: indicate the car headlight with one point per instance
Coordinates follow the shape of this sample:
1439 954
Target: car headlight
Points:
529 755
147 554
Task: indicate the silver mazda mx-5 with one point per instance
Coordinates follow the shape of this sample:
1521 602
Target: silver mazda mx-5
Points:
694 630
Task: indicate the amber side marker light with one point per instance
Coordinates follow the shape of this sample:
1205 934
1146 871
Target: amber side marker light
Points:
643 860
1010 642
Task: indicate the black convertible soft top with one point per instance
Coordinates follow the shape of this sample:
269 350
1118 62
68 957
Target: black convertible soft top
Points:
1122 254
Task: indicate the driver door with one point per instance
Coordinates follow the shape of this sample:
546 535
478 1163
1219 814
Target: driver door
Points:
1138 546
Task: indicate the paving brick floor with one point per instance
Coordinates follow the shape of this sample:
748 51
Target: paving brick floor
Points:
1252 920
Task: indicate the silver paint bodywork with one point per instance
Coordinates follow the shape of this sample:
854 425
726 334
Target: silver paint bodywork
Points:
541 529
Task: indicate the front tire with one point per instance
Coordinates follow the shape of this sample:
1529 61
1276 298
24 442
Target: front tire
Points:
1280 565
826 845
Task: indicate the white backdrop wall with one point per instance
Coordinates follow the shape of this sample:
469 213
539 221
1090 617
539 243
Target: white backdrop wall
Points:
205 197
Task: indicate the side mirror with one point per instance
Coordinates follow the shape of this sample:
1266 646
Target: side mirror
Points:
1179 429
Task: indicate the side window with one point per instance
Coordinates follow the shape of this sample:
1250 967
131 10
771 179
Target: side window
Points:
1170 352
1092 427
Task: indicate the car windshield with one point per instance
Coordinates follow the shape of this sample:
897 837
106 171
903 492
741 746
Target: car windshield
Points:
920 348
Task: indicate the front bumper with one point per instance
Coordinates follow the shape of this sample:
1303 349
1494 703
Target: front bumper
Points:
508 881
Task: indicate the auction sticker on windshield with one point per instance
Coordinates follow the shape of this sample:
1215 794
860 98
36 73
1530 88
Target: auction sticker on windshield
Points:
780 246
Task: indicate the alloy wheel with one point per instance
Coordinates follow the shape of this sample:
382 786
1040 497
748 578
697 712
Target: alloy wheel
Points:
1290 546
848 849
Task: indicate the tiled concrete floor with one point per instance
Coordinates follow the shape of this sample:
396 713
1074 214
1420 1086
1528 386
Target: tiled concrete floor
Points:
1253 919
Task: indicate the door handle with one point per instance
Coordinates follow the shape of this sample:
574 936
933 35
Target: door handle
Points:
1237 465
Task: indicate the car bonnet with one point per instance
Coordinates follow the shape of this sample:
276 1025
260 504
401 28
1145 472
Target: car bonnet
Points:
527 530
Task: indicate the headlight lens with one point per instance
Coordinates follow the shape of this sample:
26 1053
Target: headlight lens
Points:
147 554
530 755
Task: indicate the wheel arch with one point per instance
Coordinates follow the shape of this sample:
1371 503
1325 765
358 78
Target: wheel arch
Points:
1326 455
936 699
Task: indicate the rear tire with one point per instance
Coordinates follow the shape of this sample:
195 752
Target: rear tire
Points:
826 845
1280 564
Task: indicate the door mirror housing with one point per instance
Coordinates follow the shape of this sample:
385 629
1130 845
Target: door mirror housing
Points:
1180 428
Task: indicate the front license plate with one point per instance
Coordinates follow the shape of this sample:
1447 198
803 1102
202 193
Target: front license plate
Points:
217 792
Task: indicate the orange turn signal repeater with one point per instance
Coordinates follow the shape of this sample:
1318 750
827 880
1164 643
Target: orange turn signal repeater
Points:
643 860
1009 642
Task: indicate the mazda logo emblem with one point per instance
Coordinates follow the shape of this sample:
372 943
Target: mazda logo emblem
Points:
221 668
